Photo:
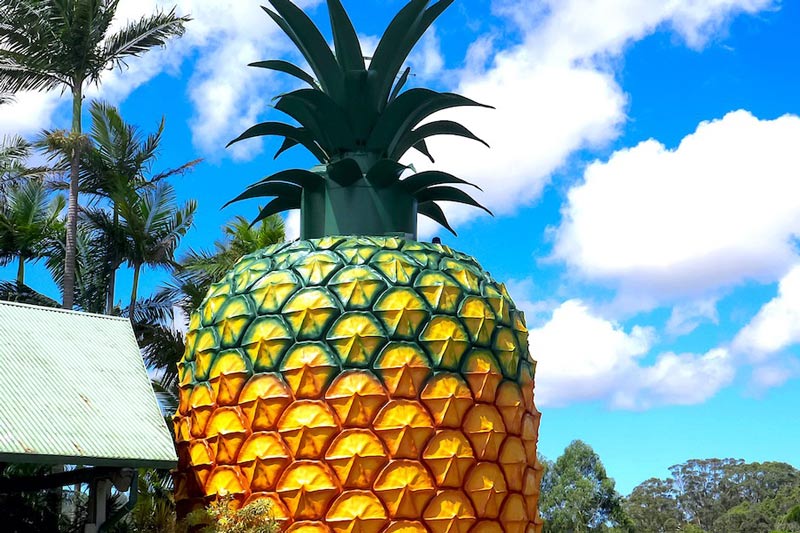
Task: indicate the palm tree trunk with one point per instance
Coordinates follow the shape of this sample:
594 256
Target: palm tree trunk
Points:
112 281
21 272
134 290
72 205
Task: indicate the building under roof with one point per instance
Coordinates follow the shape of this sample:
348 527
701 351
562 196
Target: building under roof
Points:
74 390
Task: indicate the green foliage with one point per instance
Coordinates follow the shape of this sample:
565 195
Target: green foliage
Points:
154 224
240 238
14 154
222 516
161 343
29 223
356 119
793 516
47 44
717 496
65 44
578 496
154 511
653 508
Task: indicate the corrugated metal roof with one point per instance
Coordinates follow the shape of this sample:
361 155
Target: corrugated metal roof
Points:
74 390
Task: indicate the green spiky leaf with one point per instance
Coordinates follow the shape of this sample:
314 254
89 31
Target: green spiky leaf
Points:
345 172
424 180
439 127
345 39
272 188
321 116
278 205
385 172
447 194
305 35
286 145
302 178
422 147
408 110
298 135
435 213
400 84
287 68
394 47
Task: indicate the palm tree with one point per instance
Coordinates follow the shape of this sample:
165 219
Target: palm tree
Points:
66 44
202 268
29 224
14 152
92 272
120 158
154 224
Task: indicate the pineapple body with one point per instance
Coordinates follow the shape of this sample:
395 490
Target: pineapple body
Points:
362 385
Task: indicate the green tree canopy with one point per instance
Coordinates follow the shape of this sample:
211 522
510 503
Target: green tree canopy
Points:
29 224
578 496
717 496
66 44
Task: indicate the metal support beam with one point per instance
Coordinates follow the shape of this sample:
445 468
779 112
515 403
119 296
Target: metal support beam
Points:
61 479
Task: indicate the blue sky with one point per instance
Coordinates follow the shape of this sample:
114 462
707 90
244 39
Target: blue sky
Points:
643 172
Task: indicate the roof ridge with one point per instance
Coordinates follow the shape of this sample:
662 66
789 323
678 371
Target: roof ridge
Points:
61 310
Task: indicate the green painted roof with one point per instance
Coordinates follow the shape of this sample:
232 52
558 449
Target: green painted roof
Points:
74 390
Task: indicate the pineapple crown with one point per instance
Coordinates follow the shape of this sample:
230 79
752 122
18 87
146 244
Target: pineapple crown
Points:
358 122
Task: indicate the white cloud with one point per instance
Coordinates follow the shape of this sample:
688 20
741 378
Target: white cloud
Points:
584 357
29 113
773 374
553 98
721 208
687 316
292 224
536 311
555 93
221 38
583 28
777 325
679 379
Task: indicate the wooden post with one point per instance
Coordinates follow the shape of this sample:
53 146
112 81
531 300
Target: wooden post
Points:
99 492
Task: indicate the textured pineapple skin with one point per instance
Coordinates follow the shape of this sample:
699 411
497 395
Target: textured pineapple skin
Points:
362 385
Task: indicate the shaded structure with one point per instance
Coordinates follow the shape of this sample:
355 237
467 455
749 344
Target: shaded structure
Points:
74 391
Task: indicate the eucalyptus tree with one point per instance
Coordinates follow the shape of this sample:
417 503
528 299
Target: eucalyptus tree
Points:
579 496
30 218
67 45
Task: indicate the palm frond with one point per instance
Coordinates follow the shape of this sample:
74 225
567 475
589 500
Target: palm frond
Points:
141 35
13 292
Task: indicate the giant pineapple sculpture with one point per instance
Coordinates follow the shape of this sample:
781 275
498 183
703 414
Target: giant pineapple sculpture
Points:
359 380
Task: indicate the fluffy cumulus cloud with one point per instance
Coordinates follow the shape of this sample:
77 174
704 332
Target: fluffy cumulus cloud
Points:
776 326
554 92
686 317
222 38
721 208
584 357
28 113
